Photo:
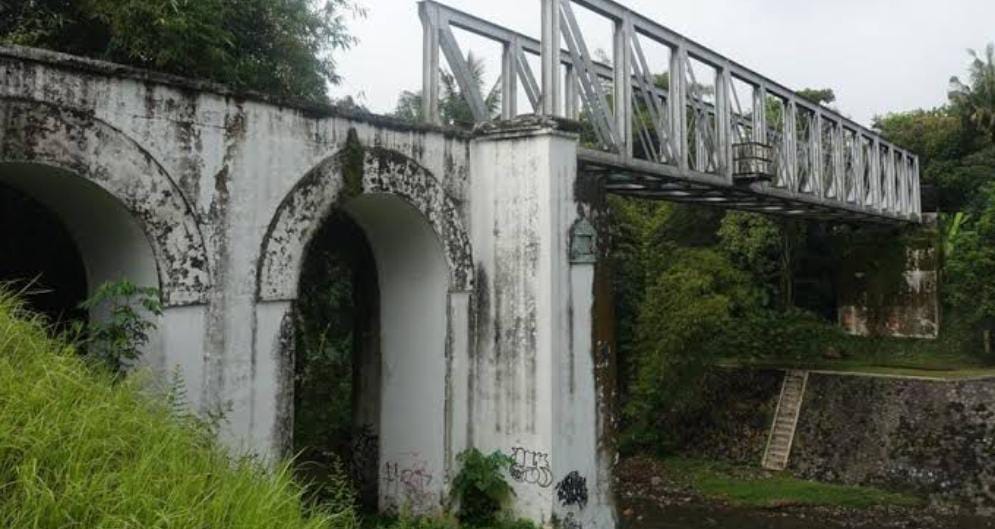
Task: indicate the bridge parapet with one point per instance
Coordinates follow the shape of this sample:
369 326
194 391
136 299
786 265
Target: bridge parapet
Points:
669 118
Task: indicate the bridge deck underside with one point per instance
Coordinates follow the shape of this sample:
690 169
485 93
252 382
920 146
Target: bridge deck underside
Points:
651 181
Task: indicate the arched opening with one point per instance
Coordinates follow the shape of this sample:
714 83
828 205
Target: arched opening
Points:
337 357
41 260
375 281
69 236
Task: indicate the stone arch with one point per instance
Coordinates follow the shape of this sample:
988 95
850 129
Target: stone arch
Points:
345 175
77 143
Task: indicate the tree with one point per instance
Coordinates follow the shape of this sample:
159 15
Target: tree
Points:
970 269
281 47
936 134
976 100
819 96
453 108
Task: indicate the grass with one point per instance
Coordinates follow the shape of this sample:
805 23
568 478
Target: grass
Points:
751 487
944 368
81 450
950 356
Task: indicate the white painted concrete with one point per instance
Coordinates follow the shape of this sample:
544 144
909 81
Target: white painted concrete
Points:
485 324
413 279
533 370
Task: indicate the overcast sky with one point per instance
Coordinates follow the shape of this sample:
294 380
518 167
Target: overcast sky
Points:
878 55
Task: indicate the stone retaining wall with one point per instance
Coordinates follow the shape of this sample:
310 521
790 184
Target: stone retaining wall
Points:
935 438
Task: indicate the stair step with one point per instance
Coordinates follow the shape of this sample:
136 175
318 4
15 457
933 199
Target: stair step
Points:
785 420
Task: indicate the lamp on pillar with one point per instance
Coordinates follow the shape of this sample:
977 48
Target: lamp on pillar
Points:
583 243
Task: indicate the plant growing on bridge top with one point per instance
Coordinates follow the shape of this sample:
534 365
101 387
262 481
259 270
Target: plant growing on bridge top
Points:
120 323
480 487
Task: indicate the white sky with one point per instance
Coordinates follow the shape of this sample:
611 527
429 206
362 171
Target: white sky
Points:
878 55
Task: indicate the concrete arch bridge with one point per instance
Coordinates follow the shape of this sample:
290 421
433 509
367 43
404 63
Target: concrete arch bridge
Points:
495 319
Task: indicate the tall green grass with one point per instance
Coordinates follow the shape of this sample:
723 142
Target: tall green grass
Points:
79 450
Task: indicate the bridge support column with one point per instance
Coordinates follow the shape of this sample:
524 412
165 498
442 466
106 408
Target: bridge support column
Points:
533 386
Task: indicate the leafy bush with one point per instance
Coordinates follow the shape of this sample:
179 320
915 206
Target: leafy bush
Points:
686 311
122 326
480 487
78 450
970 265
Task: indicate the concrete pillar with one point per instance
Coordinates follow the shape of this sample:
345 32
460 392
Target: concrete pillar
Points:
533 390
889 284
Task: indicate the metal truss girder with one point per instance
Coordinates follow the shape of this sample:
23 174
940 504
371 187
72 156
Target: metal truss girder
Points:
822 158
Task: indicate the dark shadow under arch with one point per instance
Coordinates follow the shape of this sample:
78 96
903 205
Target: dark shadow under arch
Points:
77 143
326 187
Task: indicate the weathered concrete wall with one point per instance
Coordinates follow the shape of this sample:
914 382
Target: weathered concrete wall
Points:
932 437
486 322
892 289
533 370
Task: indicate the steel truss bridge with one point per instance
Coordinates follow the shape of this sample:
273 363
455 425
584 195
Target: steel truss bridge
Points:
693 127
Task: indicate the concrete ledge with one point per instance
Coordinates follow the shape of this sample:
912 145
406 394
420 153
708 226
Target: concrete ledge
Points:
77 63
528 125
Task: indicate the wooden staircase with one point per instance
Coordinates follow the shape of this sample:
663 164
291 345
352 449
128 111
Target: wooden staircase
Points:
782 431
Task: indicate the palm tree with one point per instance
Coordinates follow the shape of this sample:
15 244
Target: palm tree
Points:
976 100
453 108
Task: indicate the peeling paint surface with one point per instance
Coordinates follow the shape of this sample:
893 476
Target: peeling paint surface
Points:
77 142
492 338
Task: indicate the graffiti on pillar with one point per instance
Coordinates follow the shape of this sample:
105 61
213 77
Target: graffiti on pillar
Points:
530 466
410 480
571 522
572 490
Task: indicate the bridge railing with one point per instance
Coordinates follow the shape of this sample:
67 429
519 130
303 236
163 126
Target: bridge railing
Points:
692 117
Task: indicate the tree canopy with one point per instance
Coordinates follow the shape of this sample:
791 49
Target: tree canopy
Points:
453 108
281 47
975 100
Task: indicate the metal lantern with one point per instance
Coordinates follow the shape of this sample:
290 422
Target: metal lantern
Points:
753 162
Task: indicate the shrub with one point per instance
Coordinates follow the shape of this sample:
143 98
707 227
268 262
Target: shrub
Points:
78 450
117 336
480 486
688 308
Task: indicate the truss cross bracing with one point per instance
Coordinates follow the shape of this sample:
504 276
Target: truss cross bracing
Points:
674 128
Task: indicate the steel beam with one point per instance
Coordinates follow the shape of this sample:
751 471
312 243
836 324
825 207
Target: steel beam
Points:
550 56
838 164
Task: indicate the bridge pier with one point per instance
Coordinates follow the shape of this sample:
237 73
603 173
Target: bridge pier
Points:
533 390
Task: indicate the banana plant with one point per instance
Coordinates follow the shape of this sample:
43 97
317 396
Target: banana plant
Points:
951 226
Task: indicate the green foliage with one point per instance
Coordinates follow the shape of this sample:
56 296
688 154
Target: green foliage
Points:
756 488
975 100
325 321
453 108
951 226
480 487
936 134
282 47
120 323
79 448
688 306
970 287
819 96
759 245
